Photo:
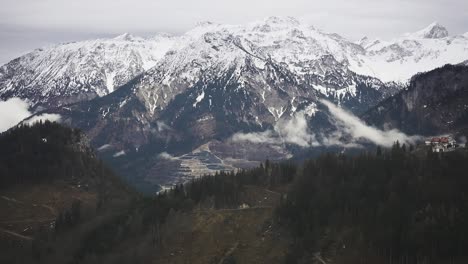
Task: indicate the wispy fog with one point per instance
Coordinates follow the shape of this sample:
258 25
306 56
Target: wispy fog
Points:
350 132
348 124
15 110
166 156
292 131
43 117
12 112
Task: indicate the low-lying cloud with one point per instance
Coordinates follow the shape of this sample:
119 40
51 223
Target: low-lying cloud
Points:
43 117
350 132
352 125
166 156
291 131
12 111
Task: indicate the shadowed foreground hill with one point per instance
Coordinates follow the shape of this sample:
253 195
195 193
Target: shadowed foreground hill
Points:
53 190
393 206
60 204
390 207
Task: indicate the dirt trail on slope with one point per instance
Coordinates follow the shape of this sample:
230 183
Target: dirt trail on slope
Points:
16 234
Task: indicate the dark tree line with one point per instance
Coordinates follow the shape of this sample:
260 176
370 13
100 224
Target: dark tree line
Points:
223 188
45 152
69 217
399 205
394 205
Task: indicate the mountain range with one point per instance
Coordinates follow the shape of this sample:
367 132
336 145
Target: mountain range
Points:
219 97
71 72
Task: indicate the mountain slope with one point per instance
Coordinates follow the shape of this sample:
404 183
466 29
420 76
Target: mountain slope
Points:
78 71
221 80
197 95
53 192
73 72
435 102
217 81
412 53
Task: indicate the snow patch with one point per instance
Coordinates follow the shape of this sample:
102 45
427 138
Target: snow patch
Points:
110 81
166 156
310 110
199 99
277 113
104 147
118 154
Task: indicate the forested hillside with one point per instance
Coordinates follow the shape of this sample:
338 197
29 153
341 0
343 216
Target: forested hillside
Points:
46 152
53 190
389 207
434 103
399 205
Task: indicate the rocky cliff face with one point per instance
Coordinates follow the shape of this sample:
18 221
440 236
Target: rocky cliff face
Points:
264 78
435 102
79 71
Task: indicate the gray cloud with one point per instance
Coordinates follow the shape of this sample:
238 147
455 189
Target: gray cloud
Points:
295 131
15 110
63 20
348 124
350 132
267 137
43 117
166 156
291 131
12 112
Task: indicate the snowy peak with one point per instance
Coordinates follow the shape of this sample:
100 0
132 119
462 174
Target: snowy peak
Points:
205 23
77 71
433 31
366 43
86 69
363 41
412 53
275 23
285 21
126 37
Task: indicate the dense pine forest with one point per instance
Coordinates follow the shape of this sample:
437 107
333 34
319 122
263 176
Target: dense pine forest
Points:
394 206
389 206
399 205
51 185
45 152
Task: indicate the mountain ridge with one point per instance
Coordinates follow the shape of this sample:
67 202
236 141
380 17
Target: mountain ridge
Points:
77 71
440 94
226 96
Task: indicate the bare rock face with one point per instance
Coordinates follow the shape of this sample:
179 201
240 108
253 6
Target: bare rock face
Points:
435 103
203 87
79 71
434 31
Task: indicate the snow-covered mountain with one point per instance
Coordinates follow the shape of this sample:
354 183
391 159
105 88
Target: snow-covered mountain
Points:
77 71
401 58
72 72
264 81
220 80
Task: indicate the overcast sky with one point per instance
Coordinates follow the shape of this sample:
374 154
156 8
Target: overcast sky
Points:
28 24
